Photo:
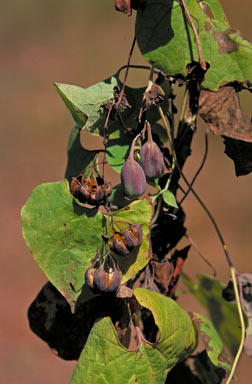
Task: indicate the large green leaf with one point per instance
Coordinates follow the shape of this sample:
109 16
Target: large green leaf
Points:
165 38
103 357
59 234
222 313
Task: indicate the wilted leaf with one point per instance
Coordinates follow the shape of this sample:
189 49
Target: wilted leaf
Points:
246 300
245 281
51 319
103 356
123 6
223 314
223 114
211 341
78 157
162 29
241 154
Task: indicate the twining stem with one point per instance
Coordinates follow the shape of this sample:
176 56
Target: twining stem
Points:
243 331
166 187
201 60
199 169
200 254
126 75
231 267
193 191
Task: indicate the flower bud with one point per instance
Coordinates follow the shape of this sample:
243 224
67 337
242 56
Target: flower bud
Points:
132 176
151 158
118 244
107 281
125 241
91 190
133 236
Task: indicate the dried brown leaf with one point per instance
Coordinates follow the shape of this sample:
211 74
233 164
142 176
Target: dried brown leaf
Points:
223 114
163 271
123 6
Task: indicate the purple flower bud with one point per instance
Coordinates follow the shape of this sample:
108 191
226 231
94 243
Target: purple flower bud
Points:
132 176
151 158
107 281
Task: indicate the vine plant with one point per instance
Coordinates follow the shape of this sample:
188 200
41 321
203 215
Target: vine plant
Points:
111 252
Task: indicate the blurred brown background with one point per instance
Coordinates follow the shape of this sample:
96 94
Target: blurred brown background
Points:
82 42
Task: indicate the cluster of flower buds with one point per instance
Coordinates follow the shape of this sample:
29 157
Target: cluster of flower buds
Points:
90 189
106 278
133 174
126 240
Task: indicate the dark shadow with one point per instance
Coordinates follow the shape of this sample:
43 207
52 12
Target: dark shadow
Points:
188 34
159 31
78 157
79 210
124 262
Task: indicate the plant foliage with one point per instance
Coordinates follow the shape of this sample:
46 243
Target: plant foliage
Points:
111 253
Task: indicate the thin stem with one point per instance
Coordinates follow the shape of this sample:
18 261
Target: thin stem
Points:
200 254
155 217
201 60
126 75
243 332
200 168
193 191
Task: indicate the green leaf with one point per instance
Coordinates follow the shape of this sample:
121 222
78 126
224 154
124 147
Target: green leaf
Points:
211 341
223 314
78 157
177 335
138 212
103 357
59 234
85 105
169 198
165 39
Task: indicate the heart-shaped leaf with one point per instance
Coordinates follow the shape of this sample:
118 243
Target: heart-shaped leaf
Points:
103 356
63 237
